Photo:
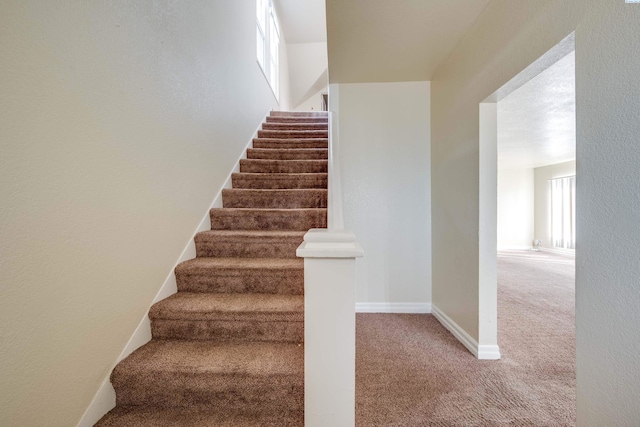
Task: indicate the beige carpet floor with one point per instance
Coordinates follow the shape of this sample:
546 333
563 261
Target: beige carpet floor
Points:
410 371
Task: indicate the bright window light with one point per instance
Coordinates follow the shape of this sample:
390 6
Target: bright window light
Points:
268 43
563 212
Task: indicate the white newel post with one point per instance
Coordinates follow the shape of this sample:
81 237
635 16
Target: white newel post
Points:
329 327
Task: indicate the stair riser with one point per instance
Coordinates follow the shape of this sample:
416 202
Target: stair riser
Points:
282 182
291 119
288 154
223 219
202 390
293 143
292 134
224 330
243 249
290 282
283 199
283 166
294 126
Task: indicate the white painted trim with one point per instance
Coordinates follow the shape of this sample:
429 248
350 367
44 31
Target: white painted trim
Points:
335 213
329 243
483 352
105 398
393 307
488 352
329 341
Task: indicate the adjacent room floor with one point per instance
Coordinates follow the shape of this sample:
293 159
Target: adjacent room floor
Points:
410 371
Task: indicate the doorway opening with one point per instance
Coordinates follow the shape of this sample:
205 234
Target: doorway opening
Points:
527 139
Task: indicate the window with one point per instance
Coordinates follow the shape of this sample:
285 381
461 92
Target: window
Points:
268 42
563 212
261 24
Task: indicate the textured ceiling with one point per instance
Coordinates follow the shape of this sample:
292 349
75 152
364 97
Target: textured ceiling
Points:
537 122
302 21
391 41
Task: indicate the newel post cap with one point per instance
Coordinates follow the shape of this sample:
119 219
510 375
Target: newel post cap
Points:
328 243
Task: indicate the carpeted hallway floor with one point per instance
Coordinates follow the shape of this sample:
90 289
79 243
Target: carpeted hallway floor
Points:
410 371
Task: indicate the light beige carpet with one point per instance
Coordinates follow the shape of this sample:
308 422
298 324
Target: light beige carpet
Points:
410 371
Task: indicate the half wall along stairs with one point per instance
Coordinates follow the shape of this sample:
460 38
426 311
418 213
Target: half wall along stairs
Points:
226 349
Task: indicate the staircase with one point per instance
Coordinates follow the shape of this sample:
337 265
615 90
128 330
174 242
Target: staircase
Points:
227 348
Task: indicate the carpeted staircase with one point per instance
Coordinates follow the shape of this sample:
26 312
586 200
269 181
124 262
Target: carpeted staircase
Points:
227 348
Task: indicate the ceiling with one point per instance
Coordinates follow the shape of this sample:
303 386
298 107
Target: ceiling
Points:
384 40
537 122
302 21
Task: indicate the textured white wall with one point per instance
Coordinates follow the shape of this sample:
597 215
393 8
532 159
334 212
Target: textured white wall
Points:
314 103
384 154
507 37
515 208
284 100
542 228
120 122
307 63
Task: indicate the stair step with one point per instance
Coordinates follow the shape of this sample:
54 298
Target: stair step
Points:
231 317
283 166
293 134
226 350
290 143
284 199
141 416
298 114
297 119
229 275
267 219
248 244
294 126
279 181
254 377
288 153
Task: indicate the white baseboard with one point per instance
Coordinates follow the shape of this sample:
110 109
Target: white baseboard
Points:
560 251
105 398
515 248
393 307
484 352
488 352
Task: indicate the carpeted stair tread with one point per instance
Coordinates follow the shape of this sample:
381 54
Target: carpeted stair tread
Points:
274 198
290 143
275 181
227 275
206 264
248 243
196 306
294 126
236 376
142 416
229 317
301 219
288 154
298 114
293 134
295 119
189 357
283 166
